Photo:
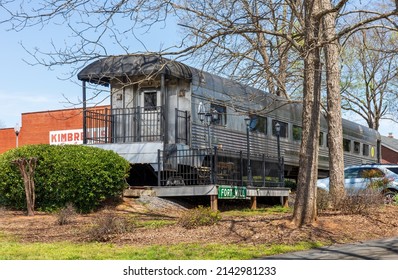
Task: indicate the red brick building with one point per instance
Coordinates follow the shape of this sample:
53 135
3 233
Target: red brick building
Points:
49 127
7 139
389 149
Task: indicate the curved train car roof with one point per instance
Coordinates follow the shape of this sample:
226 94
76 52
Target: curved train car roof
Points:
360 131
243 97
104 70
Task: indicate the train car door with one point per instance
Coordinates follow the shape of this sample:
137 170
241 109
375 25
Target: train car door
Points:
150 116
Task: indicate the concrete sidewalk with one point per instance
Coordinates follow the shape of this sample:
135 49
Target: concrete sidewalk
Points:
383 249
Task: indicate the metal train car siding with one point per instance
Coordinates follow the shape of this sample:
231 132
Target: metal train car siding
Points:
163 105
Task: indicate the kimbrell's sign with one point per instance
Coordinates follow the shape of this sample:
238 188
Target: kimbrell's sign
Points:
73 136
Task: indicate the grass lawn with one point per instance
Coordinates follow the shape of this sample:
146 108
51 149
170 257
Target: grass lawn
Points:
14 250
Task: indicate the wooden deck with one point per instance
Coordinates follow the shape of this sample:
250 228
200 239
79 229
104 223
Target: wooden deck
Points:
213 191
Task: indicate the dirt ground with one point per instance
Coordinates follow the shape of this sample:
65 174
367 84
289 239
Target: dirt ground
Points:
260 229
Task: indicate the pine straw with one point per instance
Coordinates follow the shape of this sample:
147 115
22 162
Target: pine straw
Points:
331 227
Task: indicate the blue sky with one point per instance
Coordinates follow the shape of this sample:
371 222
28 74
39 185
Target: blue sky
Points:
25 88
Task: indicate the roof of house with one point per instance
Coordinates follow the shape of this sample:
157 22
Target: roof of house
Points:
390 143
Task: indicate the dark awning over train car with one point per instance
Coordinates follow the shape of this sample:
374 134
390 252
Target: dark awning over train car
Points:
103 70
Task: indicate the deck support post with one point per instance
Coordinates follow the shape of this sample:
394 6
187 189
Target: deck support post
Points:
253 202
284 201
214 202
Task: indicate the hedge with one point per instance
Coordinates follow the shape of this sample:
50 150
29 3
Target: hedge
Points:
82 175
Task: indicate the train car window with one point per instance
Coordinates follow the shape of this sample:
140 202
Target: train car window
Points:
320 139
258 123
222 114
297 133
346 145
283 127
365 150
327 140
262 125
150 101
357 147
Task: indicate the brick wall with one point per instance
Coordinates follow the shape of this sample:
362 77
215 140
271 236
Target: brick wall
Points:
389 156
7 139
36 127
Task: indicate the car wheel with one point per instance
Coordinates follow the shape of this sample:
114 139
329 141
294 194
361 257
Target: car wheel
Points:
390 197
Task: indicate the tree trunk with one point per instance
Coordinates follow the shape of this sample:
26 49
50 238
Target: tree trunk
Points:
27 168
335 133
305 211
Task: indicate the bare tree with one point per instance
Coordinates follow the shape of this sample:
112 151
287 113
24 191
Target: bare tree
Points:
333 30
250 41
305 211
27 168
371 81
335 132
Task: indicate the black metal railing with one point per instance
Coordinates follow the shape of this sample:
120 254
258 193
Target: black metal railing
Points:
98 126
137 124
205 166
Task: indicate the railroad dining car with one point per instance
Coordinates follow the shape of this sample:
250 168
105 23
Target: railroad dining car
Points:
157 105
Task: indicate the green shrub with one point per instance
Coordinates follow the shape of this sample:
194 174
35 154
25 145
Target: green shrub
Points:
82 175
200 216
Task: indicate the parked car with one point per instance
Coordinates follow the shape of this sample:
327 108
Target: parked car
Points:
361 176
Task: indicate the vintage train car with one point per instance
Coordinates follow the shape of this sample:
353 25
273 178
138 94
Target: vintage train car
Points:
157 105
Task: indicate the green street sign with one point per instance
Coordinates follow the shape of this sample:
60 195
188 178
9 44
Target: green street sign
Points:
229 192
